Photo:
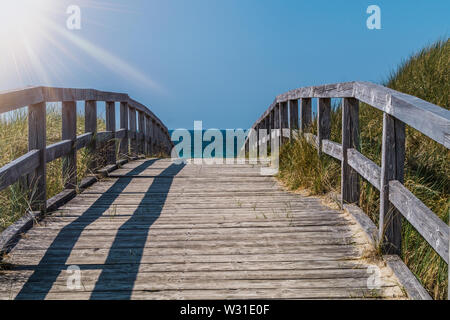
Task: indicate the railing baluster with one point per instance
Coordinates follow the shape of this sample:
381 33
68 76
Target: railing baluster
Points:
37 136
350 139
276 122
111 126
133 132
148 134
392 164
293 118
69 132
284 121
323 121
124 125
90 125
141 132
305 106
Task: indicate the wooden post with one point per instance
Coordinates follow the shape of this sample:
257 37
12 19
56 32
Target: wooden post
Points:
37 136
90 125
154 137
350 139
124 125
141 132
392 168
148 140
69 132
284 121
132 115
276 122
305 122
271 128
293 118
323 120
110 107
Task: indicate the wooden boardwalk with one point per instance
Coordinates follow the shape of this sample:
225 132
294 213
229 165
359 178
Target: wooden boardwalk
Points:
157 230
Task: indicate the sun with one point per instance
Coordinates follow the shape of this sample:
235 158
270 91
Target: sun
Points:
21 18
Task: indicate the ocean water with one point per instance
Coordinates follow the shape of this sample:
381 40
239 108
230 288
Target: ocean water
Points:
200 154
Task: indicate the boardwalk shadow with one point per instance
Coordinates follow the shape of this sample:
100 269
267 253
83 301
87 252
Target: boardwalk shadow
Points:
116 283
55 258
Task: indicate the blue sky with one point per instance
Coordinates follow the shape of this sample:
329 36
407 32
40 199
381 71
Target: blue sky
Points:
223 61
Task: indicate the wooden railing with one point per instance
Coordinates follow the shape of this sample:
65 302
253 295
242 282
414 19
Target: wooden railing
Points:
151 137
398 109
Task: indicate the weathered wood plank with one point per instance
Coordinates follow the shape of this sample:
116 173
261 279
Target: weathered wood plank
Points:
323 121
124 125
368 169
110 110
57 150
69 132
350 139
332 148
433 229
37 135
392 162
306 114
407 279
23 165
83 140
90 126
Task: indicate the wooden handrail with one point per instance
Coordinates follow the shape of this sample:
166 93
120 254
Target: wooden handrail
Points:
152 136
398 109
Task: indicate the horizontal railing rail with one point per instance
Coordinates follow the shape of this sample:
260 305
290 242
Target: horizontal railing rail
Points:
140 132
398 109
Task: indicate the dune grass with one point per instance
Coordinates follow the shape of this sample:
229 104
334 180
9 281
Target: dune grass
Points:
427 171
14 143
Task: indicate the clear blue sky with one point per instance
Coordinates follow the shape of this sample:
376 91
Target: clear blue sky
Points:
222 61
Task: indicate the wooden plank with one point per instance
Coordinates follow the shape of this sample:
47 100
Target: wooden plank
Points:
284 121
426 117
37 125
323 121
23 165
57 150
364 222
83 140
333 149
392 162
293 115
431 227
148 140
350 139
407 279
69 132
124 125
133 128
306 114
90 126
141 118
110 109
368 169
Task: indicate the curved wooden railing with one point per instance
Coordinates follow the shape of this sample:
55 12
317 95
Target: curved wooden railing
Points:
398 109
148 136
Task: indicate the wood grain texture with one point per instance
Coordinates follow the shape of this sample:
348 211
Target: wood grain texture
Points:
157 231
90 126
429 225
124 143
37 135
323 120
23 165
350 140
306 114
69 132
